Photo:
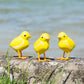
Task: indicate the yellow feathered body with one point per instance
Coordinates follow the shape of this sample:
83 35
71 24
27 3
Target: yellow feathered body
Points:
66 44
21 42
41 46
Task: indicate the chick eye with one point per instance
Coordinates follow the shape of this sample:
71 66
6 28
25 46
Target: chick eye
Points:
42 37
25 35
64 36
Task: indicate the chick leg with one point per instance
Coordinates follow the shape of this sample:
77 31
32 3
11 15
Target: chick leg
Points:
23 57
67 58
20 55
39 58
62 58
45 58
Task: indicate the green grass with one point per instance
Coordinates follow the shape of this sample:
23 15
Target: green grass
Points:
5 79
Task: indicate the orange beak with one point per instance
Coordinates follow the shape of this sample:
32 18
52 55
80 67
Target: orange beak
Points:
47 38
30 36
59 37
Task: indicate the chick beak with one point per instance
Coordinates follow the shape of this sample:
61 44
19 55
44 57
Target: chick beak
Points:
47 38
59 37
30 36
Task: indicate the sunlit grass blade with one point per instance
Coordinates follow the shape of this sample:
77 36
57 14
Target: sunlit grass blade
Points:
78 81
59 73
46 74
7 54
39 78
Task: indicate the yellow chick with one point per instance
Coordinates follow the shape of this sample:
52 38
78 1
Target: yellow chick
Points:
20 43
42 45
66 44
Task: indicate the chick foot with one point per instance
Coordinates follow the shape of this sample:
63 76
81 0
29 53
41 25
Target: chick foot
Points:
45 60
61 58
23 57
67 58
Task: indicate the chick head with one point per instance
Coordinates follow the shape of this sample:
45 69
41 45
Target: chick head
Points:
45 37
62 36
25 35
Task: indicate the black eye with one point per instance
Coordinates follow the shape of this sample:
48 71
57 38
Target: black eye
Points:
25 35
64 36
42 37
